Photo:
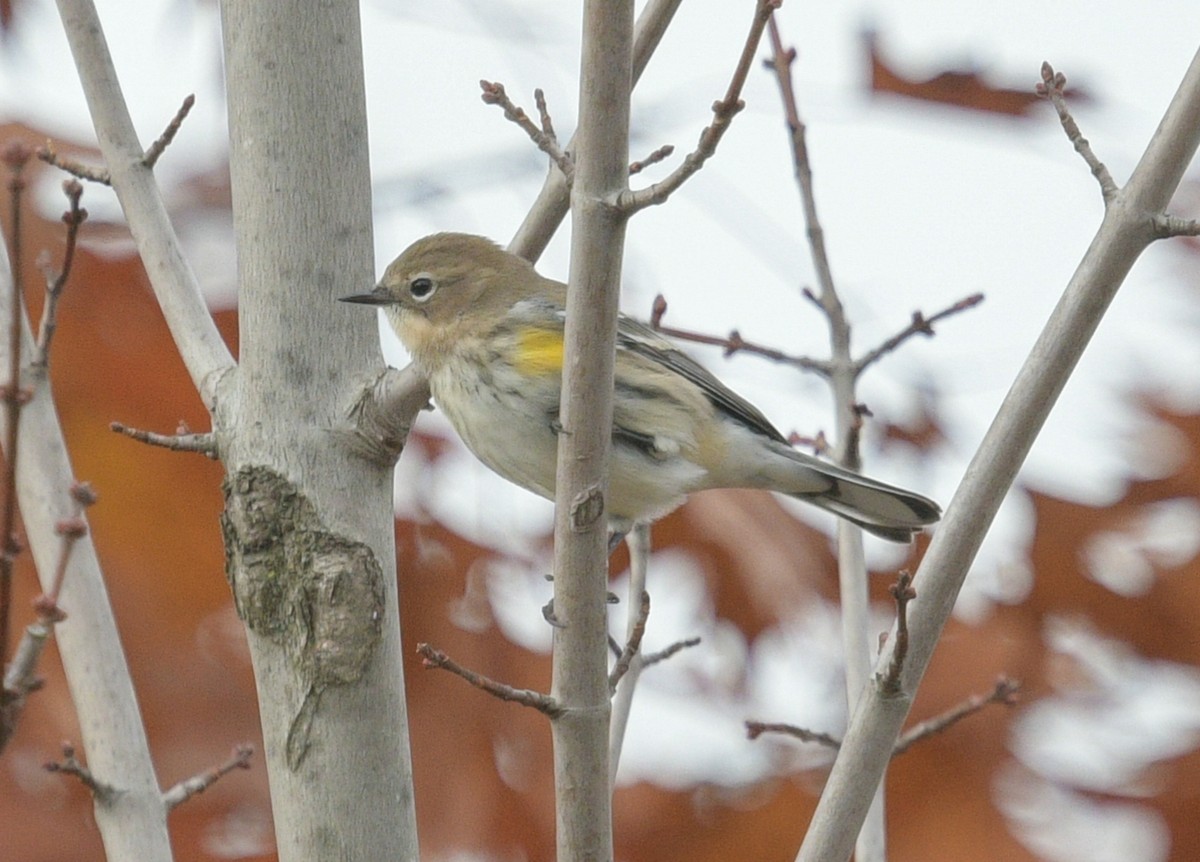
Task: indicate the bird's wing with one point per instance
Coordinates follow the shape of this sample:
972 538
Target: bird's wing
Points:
640 339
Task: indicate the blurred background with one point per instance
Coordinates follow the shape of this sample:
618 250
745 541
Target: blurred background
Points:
937 176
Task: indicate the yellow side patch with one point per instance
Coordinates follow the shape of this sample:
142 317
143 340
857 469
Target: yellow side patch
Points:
539 351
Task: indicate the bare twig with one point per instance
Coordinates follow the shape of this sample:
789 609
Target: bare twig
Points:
632 644
16 155
79 170
636 613
920 325
20 676
723 110
150 157
733 343
654 158
70 530
435 658
755 729
539 101
156 149
1052 87
666 653
72 218
550 208
205 444
1166 226
543 137
903 593
186 789
829 303
1004 692
70 765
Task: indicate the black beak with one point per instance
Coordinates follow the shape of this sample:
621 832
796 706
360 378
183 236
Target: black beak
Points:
378 296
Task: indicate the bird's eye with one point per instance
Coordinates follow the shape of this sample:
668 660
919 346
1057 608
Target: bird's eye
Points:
422 287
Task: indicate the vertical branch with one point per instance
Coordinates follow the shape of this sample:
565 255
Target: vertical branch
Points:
580 678
638 541
334 717
852 567
15 158
1128 228
852 578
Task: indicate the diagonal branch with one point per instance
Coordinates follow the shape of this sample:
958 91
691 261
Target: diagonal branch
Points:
920 325
734 343
550 208
189 787
723 110
1127 229
133 822
156 149
56 281
1004 692
434 658
1053 87
175 285
542 136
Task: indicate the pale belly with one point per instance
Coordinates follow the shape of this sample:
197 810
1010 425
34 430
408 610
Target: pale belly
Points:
517 438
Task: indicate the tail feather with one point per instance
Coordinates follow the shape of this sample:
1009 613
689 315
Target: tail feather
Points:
869 521
880 509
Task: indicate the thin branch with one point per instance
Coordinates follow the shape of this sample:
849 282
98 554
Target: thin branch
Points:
543 137
132 822
70 530
734 343
781 62
186 789
1166 226
920 325
755 729
723 113
663 654
55 282
632 644
539 101
550 208
435 658
1052 87
203 349
70 765
79 170
151 156
903 593
662 153
20 676
205 444
624 689
16 156
1004 692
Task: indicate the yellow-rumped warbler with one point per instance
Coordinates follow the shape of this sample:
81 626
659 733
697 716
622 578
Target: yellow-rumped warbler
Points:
487 330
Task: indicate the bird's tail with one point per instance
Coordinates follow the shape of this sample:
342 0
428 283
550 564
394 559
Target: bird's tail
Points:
880 509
